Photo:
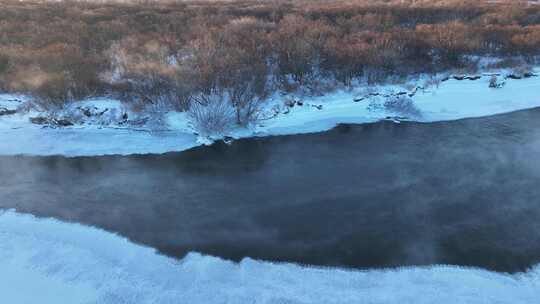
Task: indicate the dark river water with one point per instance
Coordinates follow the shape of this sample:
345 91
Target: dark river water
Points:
376 195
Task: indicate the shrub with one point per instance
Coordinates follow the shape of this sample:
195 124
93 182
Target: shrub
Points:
54 93
211 115
451 41
160 53
402 105
150 74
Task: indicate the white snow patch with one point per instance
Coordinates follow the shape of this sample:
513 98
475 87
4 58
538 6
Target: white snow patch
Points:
101 103
97 136
178 121
452 99
11 101
48 261
32 140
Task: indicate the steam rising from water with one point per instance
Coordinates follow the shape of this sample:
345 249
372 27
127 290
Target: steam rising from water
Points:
378 195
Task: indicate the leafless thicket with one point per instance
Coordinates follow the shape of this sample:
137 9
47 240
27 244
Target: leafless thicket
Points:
163 55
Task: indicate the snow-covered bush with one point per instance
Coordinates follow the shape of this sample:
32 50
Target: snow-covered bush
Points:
211 115
402 105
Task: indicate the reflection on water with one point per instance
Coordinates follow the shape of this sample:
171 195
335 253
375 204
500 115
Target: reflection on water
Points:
382 194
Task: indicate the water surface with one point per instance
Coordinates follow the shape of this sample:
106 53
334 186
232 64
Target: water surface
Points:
376 195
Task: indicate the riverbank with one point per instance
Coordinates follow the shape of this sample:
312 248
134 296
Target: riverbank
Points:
423 100
49 261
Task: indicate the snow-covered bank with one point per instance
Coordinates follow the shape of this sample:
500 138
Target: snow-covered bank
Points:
448 100
92 141
97 136
47 261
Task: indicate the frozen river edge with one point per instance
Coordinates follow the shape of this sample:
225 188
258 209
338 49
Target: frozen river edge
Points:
451 99
48 261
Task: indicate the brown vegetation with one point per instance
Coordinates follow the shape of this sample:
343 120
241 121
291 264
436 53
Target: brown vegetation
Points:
167 52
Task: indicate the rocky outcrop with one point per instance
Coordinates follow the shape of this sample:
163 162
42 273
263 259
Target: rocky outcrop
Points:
464 77
397 94
62 122
520 76
40 120
4 111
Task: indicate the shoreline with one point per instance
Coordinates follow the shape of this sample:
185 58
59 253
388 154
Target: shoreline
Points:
52 261
452 98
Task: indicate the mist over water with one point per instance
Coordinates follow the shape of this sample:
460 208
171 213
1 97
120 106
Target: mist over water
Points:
376 195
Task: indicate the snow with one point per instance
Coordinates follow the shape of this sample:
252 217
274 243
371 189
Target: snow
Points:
95 137
101 103
11 101
450 100
48 261
91 141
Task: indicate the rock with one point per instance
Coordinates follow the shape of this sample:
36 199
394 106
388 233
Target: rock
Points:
4 111
139 122
413 92
39 120
358 99
228 140
529 75
86 112
513 76
476 77
463 77
318 107
289 103
92 111
300 103
396 117
63 122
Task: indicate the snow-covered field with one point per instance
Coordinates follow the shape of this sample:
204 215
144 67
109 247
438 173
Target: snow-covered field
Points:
450 100
47 261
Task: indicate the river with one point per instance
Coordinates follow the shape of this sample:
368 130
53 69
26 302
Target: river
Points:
375 195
